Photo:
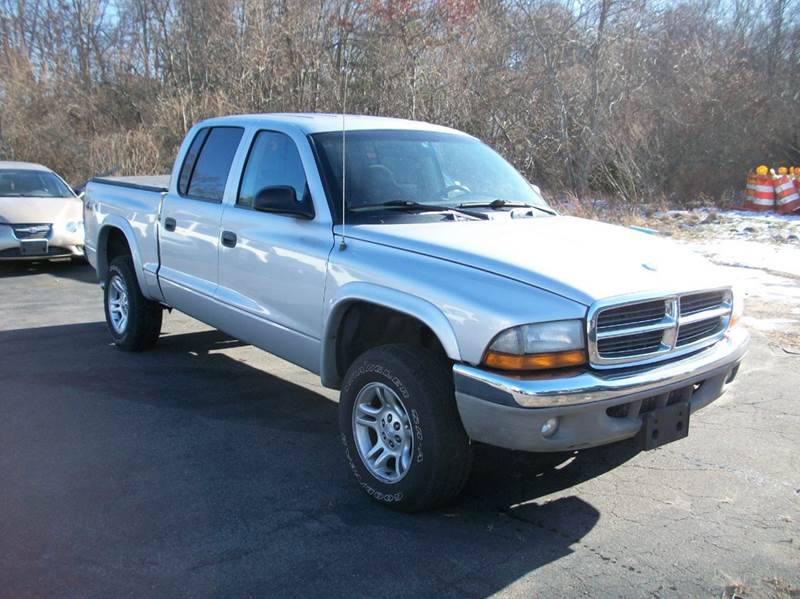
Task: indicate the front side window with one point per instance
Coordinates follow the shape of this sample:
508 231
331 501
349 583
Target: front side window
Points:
273 160
424 167
213 164
23 183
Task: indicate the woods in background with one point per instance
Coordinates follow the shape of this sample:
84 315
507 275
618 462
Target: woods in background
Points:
628 99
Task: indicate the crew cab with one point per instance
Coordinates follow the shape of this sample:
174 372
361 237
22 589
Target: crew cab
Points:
420 274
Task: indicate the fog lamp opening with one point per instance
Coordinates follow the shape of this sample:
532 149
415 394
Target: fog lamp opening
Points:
550 427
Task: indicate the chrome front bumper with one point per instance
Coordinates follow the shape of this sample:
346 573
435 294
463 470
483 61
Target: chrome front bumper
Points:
509 412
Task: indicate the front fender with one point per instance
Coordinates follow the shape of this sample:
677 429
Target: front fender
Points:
386 297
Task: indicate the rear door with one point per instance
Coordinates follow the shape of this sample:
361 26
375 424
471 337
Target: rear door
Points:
190 221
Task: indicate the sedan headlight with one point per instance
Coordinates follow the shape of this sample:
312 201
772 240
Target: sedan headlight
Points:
539 346
74 226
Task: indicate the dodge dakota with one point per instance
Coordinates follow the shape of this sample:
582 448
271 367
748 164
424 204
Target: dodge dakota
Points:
416 271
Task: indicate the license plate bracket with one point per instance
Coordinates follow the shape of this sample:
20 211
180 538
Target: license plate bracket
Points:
665 425
33 247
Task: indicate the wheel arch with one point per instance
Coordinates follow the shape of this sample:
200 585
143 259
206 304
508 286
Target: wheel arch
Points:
111 232
416 309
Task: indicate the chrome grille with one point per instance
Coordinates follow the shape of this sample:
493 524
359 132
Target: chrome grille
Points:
35 231
657 328
630 344
697 302
689 333
635 315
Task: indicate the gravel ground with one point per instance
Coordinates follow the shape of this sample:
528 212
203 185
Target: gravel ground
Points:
209 468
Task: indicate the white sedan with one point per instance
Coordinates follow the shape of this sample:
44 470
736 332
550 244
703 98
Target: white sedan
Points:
40 216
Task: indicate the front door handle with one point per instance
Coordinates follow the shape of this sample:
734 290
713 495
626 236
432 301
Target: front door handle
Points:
229 239
169 223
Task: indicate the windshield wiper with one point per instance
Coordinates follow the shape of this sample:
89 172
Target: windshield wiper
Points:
419 207
499 203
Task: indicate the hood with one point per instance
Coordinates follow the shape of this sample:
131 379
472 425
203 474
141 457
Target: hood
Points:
39 210
580 259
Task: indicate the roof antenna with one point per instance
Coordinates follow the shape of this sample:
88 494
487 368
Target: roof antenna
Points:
343 243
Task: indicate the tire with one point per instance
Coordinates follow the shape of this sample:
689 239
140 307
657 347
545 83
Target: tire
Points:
141 326
429 469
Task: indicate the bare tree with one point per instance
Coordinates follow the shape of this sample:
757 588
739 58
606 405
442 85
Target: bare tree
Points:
629 99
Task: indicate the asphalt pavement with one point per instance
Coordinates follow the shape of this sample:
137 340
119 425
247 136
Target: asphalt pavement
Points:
207 468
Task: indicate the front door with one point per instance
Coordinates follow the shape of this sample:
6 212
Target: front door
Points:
190 222
272 266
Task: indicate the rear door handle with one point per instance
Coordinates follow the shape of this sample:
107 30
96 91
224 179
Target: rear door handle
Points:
229 239
169 223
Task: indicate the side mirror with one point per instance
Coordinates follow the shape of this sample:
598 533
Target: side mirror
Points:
282 199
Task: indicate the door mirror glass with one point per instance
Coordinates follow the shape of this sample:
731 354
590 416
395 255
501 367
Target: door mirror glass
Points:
282 199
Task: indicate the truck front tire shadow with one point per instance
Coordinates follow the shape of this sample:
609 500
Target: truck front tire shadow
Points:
508 479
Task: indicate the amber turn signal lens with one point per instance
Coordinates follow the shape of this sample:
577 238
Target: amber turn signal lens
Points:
560 359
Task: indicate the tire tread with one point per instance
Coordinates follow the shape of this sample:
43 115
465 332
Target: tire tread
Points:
453 462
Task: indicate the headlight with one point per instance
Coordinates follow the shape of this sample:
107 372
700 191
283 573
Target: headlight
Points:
538 346
74 226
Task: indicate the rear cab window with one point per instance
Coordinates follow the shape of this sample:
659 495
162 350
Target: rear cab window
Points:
207 164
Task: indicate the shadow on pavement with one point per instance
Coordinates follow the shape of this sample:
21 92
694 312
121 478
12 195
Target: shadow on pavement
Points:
188 471
77 271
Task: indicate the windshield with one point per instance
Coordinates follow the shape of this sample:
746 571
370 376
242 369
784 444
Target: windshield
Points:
422 167
32 184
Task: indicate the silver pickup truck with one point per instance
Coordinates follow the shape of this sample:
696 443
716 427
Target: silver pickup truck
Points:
416 271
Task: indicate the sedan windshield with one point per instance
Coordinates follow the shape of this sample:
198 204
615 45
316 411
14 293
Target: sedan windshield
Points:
402 170
31 184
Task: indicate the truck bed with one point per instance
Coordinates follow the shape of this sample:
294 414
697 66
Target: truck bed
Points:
158 183
132 205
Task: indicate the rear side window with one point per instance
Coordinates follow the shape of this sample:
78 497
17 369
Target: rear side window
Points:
273 160
188 162
208 162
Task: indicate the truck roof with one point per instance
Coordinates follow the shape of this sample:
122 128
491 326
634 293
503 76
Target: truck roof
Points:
318 122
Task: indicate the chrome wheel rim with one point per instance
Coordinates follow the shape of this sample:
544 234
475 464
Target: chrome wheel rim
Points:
118 304
383 433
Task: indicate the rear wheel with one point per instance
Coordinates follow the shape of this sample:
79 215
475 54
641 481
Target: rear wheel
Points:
133 320
401 430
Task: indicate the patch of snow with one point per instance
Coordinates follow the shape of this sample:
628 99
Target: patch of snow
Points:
763 216
767 274
769 325
783 259
731 224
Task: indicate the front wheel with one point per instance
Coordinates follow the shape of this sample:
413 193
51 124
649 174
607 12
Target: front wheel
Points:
133 320
401 430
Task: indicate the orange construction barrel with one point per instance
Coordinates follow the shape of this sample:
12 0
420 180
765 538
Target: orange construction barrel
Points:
787 199
760 193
